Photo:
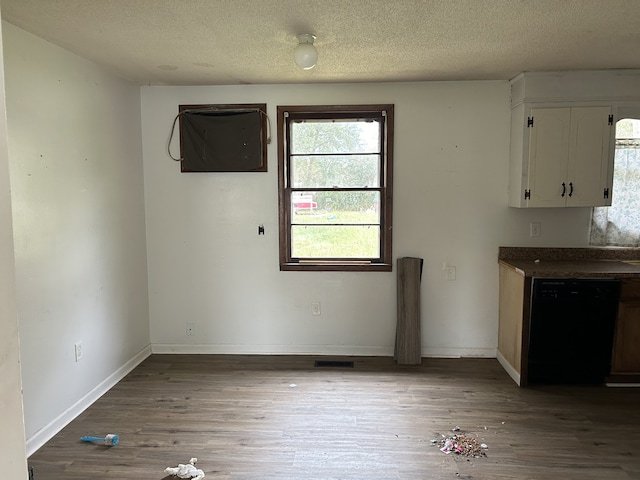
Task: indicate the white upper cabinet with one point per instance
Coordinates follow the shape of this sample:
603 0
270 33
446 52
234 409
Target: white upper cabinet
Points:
564 157
562 136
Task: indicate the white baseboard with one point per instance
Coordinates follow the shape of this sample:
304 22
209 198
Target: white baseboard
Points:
209 349
43 435
448 352
344 350
508 368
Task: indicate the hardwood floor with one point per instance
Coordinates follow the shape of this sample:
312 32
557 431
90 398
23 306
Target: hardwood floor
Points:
273 417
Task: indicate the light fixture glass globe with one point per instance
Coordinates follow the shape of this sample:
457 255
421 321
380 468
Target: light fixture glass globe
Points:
305 55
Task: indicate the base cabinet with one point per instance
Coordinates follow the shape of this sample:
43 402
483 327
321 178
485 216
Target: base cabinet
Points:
514 329
513 323
625 361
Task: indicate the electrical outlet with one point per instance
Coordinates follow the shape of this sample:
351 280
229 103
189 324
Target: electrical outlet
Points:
450 273
191 329
315 308
535 229
78 351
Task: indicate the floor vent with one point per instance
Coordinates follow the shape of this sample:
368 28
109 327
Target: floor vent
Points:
333 363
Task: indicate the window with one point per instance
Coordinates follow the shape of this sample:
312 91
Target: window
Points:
619 224
335 167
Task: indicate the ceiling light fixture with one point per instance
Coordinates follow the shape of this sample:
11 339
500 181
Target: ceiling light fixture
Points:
305 55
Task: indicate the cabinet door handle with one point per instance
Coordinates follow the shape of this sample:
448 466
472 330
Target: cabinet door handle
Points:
570 188
564 189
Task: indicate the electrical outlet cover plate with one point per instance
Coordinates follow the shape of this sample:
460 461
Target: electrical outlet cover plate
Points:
450 273
535 229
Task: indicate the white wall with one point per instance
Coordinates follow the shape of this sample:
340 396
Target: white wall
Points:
207 265
12 441
75 161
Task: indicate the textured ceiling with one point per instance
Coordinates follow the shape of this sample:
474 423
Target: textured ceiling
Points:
213 42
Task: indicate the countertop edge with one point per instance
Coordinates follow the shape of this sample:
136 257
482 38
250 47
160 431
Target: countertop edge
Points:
573 268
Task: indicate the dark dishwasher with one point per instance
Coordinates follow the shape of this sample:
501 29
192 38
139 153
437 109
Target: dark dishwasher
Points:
571 330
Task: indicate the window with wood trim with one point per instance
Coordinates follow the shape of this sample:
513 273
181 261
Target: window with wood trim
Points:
335 168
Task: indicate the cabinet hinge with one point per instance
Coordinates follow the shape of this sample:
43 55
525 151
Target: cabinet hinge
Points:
610 119
606 193
530 122
527 194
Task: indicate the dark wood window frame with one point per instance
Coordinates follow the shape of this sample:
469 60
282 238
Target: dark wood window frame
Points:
286 114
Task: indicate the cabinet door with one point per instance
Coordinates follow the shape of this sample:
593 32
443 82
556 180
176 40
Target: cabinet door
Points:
625 359
626 354
549 141
589 161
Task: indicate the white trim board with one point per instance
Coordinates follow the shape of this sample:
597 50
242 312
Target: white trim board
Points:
224 349
46 433
346 350
508 368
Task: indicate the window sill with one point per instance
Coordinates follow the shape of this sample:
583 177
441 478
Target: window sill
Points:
336 267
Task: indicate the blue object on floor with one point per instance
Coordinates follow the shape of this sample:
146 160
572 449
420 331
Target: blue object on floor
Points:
110 440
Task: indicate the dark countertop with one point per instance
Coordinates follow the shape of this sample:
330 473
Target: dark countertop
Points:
597 262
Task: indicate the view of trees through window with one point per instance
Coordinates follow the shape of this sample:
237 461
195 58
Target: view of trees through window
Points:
339 161
335 186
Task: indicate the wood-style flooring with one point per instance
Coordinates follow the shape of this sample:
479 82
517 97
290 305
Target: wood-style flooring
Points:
279 417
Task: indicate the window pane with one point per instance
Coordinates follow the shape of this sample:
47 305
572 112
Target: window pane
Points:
335 136
619 224
330 171
628 128
359 206
335 241
335 171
